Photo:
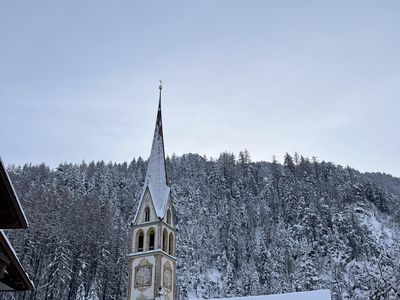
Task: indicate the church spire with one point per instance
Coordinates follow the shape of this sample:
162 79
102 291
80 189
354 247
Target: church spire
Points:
152 260
156 176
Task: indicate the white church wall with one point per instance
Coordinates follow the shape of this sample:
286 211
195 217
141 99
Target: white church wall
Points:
143 275
168 278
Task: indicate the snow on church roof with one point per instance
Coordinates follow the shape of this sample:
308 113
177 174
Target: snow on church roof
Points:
156 176
311 295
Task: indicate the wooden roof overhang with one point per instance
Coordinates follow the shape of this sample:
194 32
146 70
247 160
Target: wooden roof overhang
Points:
12 274
11 214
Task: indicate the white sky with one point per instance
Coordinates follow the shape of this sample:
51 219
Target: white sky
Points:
79 79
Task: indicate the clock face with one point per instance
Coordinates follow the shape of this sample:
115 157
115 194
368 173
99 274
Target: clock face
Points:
167 278
143 276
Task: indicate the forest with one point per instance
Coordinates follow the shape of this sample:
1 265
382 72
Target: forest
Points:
243 227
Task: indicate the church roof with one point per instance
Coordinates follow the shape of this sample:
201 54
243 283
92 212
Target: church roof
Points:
156 176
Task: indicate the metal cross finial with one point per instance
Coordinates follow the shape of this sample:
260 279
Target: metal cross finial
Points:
160 87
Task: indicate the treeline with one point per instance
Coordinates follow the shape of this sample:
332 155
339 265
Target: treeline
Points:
244 228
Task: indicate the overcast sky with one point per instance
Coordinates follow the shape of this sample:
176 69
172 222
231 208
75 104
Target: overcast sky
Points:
79 79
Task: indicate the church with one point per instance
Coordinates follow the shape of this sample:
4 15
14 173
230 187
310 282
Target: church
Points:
152 253
152 260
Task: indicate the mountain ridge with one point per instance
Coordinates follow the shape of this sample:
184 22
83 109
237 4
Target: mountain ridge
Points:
256 227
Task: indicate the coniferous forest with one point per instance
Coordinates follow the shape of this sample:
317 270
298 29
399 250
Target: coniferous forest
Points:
244 228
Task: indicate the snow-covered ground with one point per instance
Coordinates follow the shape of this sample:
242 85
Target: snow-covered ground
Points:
311 295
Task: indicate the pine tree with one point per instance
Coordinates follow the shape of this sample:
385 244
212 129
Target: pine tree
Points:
230 286
80 295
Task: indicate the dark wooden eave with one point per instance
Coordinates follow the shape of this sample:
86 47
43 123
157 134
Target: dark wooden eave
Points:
11 213
14 278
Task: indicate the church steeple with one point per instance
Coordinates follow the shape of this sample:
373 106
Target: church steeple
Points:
156 175
152 261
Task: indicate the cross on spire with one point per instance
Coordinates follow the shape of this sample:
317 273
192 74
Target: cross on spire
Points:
159 99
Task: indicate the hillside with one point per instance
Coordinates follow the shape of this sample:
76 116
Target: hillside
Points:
244 228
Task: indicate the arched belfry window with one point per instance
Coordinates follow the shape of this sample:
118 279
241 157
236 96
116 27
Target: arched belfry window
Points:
147 214
139 241
151 238
171 244
165 240
169 216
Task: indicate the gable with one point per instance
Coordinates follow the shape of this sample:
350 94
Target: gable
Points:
169 207
146 202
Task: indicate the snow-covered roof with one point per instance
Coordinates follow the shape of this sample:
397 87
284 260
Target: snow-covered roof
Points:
156 176
311 295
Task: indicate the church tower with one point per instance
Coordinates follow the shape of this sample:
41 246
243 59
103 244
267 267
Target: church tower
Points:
152 261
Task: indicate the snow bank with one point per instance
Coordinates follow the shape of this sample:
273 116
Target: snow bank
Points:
311 295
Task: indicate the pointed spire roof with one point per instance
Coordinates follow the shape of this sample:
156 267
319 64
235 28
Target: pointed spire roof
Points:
156 176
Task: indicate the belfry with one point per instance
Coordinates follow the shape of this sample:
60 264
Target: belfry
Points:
152 260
